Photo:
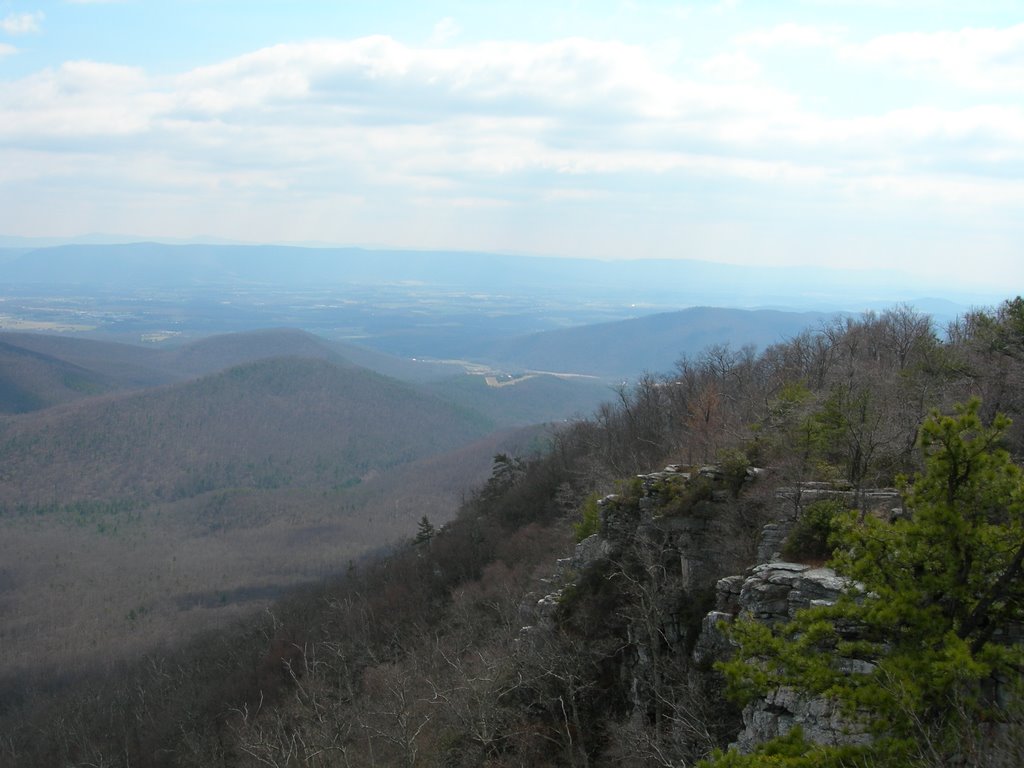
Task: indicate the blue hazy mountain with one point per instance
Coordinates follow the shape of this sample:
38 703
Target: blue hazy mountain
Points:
651 343
675 282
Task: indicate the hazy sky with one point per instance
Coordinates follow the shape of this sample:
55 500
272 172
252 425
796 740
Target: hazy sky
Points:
827 131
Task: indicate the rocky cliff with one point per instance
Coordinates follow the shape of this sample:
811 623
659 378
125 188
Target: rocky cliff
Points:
693 548
773 593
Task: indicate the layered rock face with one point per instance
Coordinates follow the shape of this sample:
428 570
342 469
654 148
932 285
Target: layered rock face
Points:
773 593
689 530
821 721
884 502
666 539
695 517
686 516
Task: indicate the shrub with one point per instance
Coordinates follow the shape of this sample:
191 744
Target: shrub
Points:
590 519
809 539
734 464
684 499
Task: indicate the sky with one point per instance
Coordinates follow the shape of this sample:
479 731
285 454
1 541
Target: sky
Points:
852 133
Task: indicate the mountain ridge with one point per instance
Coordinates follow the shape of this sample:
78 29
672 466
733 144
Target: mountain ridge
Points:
652 343
138 264
285 420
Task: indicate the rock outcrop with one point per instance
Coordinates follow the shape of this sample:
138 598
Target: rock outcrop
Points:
680 517
820 719
790 500
665 540
694 529
773 593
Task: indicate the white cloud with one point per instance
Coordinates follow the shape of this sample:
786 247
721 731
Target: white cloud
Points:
731 66
69 102
445 31
379 76
487 128
21 23
790 35
572 105
7 50
981 59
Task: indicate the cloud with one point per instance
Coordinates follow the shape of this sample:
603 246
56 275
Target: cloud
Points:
68 103
731 66
7 50
500 107
380 79
444 31
980 59
21 23
492 128
790 35
571 105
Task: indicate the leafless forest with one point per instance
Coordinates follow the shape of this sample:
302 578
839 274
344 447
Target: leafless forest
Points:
418 657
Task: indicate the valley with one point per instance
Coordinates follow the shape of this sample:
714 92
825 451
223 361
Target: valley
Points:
148 493
226 557
154 489
184 462
87 584
488 385
179 446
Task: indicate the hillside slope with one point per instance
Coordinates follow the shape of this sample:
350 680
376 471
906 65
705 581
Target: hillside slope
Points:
518 401
277 422
31 380
135 366
97 581
215 353
653 343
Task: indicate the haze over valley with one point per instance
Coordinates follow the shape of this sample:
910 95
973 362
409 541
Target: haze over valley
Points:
161 476
206 426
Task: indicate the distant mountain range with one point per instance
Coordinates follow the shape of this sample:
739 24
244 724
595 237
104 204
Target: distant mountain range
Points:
38 371
279 407
684 282
653 343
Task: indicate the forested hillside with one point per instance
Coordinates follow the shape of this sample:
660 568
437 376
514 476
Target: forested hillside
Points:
273 423
89 366
33 381
150 493
652 343
422 658
41 370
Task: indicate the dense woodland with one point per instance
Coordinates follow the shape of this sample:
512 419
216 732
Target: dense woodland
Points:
420 658
200 481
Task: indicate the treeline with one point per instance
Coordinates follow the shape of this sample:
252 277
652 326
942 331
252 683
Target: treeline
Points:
841 402
419 658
